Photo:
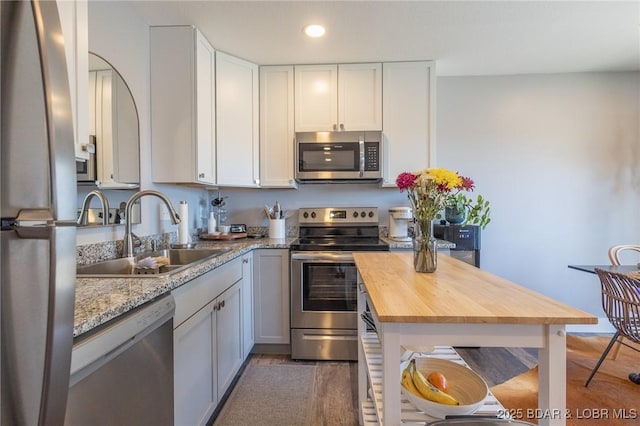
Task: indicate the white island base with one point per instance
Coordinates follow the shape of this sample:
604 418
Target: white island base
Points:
371 408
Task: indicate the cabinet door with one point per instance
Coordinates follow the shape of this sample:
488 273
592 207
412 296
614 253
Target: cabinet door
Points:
360 96
271 295
104 126
205 111
247 305
74 24
195 394
237 121
276 127
316 98
409 119
228 335
182 66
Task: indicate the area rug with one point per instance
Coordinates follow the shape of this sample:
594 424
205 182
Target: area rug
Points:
610 399
270 395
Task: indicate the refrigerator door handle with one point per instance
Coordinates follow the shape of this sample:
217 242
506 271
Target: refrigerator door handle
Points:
62 256
60 136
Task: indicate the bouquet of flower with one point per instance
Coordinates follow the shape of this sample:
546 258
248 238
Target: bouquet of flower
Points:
432 190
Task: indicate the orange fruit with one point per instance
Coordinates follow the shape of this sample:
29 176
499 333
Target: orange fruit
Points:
438 380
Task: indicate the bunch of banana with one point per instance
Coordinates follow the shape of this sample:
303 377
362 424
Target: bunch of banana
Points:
415 382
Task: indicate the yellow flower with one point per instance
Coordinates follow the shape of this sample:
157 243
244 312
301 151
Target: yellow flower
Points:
446 178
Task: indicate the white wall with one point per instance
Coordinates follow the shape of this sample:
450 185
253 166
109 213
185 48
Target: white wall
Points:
558 156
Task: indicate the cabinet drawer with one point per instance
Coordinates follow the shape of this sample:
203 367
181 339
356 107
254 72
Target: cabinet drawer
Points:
195 294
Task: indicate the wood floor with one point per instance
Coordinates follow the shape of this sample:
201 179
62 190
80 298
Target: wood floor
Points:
335 398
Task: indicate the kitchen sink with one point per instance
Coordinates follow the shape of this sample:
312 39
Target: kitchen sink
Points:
179 259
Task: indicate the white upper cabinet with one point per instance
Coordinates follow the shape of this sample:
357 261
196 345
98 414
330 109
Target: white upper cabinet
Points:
276 127
360 96
409 118
113 119
74 23
237 111
338 97
182 106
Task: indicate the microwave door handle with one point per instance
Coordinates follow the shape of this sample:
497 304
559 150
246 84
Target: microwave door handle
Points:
361 144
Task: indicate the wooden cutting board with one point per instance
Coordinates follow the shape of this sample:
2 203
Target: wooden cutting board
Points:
230 236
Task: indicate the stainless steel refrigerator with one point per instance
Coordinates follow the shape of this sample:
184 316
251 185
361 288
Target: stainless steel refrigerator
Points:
37 207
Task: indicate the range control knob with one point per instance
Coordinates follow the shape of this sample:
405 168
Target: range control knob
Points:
305 215
355 214
363 214
313 215
370 214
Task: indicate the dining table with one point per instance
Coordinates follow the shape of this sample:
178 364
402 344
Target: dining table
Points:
622 269
457 305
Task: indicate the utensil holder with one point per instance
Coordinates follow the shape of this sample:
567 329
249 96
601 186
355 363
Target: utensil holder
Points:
277 229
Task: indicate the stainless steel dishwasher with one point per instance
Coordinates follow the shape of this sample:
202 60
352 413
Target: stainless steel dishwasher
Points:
122 374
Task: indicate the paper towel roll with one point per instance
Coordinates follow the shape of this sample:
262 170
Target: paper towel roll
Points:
183 226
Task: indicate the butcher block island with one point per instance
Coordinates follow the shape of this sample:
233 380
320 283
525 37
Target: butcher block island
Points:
458 305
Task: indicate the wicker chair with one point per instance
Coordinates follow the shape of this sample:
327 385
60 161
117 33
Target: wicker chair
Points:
614 252
621 303
614 257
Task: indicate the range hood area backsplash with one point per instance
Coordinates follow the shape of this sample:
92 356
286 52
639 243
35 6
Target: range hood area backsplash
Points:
246 206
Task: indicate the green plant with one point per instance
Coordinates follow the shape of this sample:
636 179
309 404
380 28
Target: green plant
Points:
476 212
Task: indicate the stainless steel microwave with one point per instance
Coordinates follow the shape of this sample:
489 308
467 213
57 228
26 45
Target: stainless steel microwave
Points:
338 156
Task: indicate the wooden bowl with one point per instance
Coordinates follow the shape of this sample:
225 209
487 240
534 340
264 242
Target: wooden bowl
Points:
464 384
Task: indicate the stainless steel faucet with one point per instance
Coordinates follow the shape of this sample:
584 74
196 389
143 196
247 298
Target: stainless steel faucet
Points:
85 207
127 246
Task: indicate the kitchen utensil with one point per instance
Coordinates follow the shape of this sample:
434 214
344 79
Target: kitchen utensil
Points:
268 212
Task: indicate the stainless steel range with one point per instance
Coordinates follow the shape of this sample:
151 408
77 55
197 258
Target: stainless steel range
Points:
324 282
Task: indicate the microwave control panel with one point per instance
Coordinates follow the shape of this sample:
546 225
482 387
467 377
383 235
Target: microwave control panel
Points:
371 156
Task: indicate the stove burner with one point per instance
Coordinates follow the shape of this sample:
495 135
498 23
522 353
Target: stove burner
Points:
339 229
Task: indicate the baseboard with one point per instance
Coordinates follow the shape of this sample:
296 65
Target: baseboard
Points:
603 327
271 349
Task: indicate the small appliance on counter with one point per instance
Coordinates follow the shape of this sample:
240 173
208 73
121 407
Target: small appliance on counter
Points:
399 218
466 239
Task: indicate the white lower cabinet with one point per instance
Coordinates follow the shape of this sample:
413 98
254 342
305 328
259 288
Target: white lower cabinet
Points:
207 341
228 326
271 295
247 304
195 395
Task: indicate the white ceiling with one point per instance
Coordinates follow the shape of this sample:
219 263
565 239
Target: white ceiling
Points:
463 37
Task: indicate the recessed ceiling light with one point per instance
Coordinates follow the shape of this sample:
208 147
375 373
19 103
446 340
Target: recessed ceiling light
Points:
314 30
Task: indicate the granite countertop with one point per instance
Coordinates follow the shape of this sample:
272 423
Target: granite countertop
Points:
99 300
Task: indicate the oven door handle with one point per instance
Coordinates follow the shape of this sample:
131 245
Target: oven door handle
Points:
322 256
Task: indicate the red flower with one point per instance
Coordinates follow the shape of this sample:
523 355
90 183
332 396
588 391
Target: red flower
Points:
405 180
467 184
